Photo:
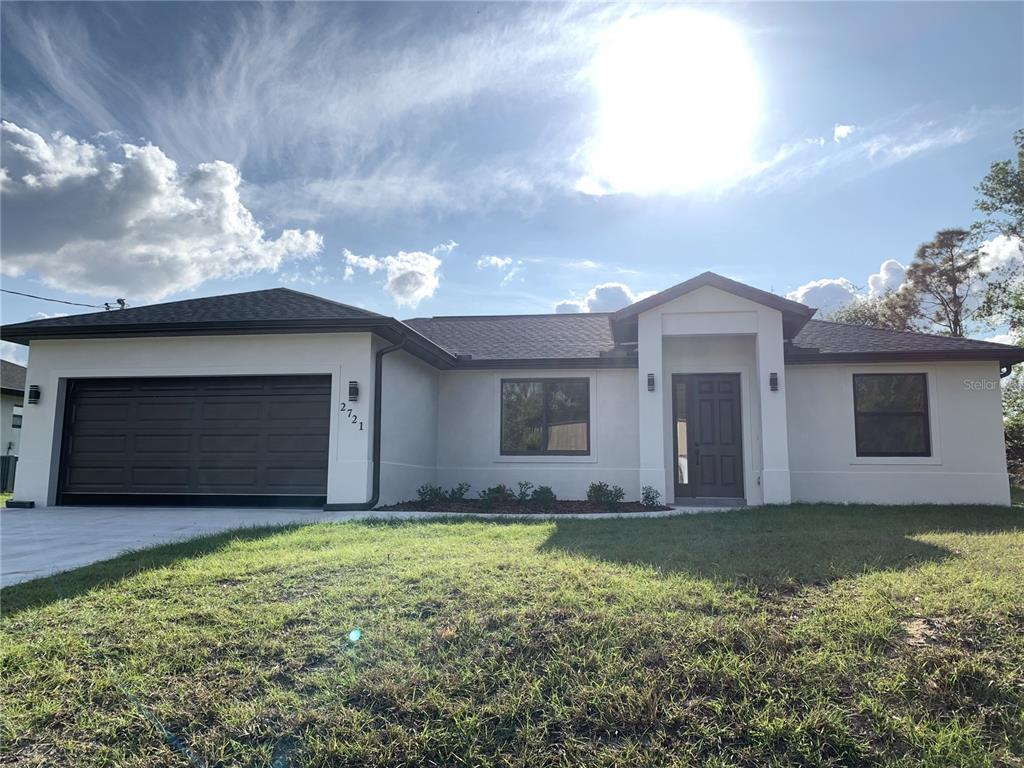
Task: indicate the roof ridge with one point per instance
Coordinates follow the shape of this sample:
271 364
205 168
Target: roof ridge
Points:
322 298
508 317
912 333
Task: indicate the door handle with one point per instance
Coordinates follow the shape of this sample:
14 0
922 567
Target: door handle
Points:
696 456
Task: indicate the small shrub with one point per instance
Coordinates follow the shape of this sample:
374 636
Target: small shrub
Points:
525 489
606 495
650 496
429 495
458 493
497 494
543 497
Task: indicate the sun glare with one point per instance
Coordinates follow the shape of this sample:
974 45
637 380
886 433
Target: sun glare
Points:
679 105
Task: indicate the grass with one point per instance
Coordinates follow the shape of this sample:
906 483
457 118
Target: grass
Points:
852 636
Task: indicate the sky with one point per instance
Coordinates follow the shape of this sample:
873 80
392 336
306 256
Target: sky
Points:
447 159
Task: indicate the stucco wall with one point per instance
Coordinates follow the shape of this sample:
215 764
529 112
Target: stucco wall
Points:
344 356
408 426
468 447
968 462
7 433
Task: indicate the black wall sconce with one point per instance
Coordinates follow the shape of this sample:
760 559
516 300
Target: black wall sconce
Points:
650 382
33 394
773 382
353 391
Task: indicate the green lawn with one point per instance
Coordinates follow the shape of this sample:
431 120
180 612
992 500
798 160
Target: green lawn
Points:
850 636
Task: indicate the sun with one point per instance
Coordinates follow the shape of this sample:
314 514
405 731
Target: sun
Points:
679 104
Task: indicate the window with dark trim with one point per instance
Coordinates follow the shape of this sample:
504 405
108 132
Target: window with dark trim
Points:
16 417
891 414
545 417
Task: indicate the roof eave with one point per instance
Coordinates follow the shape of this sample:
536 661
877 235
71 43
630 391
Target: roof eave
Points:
1011 356
388 328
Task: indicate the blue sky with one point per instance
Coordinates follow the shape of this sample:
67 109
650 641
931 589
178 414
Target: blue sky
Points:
459 159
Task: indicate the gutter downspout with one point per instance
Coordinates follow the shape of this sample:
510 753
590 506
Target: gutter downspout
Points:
378 386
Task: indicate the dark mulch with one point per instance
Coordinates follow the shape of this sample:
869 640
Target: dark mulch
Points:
513 508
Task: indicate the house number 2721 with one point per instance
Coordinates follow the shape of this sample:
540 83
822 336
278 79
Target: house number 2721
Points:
351 415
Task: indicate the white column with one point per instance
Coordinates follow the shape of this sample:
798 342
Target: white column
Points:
774 431
651 406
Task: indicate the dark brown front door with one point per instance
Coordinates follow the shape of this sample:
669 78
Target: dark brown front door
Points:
706 415
197 440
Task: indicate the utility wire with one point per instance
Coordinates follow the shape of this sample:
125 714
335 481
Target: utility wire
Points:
59 301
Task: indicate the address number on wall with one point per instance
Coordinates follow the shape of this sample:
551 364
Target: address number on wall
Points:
350 415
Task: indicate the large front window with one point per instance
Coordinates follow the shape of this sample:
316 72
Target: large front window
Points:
545 417
891 412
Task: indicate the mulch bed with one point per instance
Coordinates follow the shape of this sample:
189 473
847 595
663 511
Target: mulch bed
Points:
512 508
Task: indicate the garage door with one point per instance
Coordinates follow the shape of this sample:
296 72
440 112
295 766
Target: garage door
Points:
223 440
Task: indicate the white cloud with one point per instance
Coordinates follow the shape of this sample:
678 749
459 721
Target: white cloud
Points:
827 294
830 293
1002 338
510 267
890 276
1000 252
389 95
48 315
412 276
128 224
15 353
583 264
606 297
498 262
840 132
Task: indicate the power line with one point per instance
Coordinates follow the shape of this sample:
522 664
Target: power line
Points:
59 301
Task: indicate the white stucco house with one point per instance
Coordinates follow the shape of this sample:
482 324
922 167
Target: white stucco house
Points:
708 390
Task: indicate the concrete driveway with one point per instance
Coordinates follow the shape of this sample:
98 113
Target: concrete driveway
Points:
41 542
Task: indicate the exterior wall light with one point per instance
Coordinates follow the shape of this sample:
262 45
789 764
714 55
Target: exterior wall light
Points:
650 382
33 394
773 382
353 391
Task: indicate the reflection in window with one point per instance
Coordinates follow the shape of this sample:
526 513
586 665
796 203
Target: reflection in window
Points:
545 416
891 413
682 463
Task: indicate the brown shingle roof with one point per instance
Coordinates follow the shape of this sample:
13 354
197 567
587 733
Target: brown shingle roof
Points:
520 337
12 377
825 339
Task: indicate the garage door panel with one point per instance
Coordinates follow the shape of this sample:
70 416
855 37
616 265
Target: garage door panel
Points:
204 437
172 412
230 443
225 410
102 443
316 444
157 443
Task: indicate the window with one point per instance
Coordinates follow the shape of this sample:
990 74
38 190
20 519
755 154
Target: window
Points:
16 417
545 417
891 413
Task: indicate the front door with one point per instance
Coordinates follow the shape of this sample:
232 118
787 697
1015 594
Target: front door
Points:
707 435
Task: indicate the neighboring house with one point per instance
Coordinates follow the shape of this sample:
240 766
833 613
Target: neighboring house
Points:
12 393
711 389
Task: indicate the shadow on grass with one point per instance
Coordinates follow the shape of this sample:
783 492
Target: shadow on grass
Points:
775 545
67 584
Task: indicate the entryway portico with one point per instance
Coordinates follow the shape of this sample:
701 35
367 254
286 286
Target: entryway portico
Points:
725 350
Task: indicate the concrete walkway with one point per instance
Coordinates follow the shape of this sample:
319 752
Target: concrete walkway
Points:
40 542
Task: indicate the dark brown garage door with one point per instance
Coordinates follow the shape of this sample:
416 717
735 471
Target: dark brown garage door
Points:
224 440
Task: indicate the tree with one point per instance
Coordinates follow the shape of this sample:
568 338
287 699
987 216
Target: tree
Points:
894 310
946 278
1002 199
1002 194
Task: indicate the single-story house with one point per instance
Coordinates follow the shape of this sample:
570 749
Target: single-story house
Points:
708 390
12 393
